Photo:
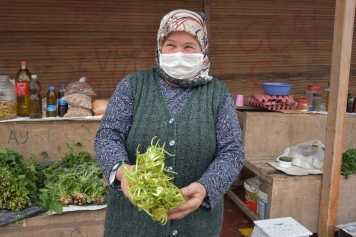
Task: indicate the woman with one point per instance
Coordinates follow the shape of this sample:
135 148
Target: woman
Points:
195 115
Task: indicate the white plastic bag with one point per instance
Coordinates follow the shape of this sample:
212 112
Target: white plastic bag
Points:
308 155
254 183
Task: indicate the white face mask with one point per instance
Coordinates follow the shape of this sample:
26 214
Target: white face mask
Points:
181 65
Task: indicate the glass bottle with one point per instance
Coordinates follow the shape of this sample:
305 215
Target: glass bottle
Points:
350 101
62 104
22 81
35 98
51 97
8 108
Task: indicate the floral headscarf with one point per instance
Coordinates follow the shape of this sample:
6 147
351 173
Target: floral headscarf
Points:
190 22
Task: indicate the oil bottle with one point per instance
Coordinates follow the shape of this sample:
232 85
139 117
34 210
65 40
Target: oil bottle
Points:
22 81
62 104
350 101
35 98
51 97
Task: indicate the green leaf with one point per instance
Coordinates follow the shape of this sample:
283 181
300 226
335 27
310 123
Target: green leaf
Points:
44 154
89 199
93 185
56 206
76 143
348 165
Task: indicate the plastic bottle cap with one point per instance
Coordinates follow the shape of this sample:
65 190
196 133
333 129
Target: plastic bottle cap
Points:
302 101
34 76
23 62
51 88
314 87
351 91
63 85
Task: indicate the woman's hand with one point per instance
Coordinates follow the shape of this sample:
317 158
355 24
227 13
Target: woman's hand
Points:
120 176
194 195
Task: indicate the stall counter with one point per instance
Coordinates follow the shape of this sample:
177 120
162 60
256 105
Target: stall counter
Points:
48 135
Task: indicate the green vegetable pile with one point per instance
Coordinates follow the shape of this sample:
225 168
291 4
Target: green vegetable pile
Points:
348 165
18 180
74 179
150 187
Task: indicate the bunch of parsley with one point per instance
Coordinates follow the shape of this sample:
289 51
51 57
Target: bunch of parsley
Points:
348 165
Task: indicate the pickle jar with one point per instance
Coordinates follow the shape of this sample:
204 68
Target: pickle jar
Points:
311 90
8 105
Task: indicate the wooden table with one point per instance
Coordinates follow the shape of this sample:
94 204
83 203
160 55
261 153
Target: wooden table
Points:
78 223
298 196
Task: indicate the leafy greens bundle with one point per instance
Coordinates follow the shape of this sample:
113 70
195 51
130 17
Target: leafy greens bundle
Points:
348 165
150 187
74 179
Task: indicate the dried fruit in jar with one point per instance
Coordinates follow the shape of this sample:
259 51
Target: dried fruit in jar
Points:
8 110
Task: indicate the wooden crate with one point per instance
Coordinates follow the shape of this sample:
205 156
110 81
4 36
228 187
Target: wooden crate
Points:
80 223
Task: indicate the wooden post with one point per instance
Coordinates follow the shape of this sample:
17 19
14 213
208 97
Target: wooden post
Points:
339 82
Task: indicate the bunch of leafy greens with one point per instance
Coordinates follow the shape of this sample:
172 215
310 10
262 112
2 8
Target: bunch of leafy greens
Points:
149 185
348 165
18 180
74 179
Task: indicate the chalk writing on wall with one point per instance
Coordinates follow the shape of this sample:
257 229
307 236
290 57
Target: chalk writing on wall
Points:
53 139
50 135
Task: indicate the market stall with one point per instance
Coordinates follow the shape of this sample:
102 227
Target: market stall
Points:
332 187
265 136
275 40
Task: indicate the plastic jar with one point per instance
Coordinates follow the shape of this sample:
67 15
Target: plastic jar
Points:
302 105
8 105
316 102
312 89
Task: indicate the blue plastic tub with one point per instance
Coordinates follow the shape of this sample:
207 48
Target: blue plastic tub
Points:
276 88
